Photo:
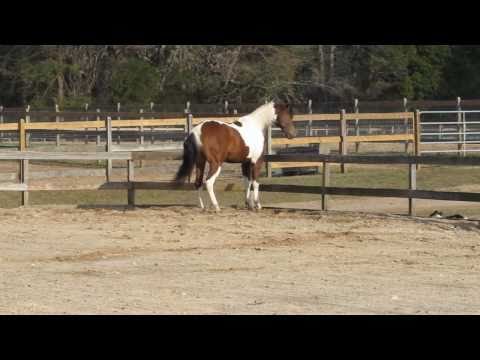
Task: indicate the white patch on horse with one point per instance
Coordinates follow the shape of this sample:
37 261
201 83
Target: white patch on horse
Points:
253 128
209 183
256 197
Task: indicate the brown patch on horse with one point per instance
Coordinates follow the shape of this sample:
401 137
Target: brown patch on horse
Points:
221 143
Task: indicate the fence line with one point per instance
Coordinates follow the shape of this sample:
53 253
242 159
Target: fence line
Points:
324 190
411 193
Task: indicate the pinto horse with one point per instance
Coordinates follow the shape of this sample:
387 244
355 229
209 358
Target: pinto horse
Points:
240 142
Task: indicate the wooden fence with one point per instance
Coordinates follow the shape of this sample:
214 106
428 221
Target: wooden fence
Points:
324 189
341 119
411 193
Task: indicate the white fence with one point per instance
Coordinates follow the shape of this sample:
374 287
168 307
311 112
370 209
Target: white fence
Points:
440 129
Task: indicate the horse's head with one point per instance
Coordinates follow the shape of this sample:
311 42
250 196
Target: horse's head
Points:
284 121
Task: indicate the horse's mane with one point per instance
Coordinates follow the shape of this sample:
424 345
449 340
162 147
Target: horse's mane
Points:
263 107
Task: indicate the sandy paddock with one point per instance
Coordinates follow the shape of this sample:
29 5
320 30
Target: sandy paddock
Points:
177 260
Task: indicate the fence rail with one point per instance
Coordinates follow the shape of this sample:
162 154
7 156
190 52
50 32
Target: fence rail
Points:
131 185
411 193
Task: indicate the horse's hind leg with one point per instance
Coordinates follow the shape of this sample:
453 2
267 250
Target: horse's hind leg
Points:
213 173
200 170
247 175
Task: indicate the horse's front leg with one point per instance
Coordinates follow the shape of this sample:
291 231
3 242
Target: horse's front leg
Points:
247 176
256 186
256 195
248 196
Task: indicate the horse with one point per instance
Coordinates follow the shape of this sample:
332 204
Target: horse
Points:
240 142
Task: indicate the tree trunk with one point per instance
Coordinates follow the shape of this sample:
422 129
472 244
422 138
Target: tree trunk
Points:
321 59
333 48
61 91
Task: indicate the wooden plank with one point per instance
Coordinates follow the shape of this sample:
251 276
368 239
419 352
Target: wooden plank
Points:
285 165
418 135
381 138
148 148
116 185
131 179
108 148
24 198
57 120
307 140
317 117
22 144
395 193
146 185
380 116
30 155
325 184
343 135
148 155
80 187
9 127
412 185
82 125
13 187
74 125
27 121
149 122
376 159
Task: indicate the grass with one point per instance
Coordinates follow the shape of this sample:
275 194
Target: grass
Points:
395 177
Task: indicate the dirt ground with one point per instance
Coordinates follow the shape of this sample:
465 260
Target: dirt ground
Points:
178 260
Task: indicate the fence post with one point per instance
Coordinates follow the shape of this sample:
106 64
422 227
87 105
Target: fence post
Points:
23 164
57 120
225 110
405 122
412 185
27 121
187 112
152 139
98 129
357 127
417 128
108 146
24 180
118 118
343 138
310 125
86 119
189 128
269 150
131 185
22 143
142 137
325 183
1 120
461 145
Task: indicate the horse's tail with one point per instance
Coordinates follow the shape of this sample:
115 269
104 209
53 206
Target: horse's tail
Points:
190 153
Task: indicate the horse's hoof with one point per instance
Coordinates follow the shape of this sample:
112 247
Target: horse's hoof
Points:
258 207
217 210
